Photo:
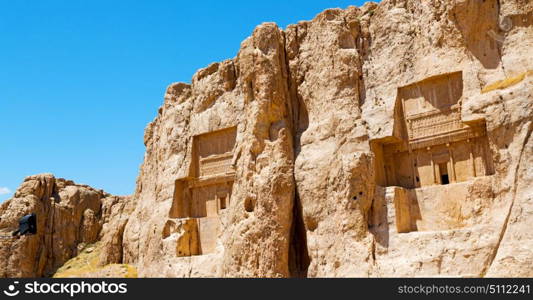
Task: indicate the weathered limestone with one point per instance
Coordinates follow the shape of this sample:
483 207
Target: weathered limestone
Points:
245 184
430 144
387 140
365 144
206 190
69 216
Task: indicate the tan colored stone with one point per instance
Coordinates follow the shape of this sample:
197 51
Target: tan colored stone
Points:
68 218
321 110
387 140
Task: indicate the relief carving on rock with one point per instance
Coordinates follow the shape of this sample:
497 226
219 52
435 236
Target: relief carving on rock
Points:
204 194
430 146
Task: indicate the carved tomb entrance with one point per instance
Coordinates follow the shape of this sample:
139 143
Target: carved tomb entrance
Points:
206 192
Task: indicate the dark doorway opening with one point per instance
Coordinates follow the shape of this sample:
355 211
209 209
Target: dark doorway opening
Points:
444 179
223 203
443 170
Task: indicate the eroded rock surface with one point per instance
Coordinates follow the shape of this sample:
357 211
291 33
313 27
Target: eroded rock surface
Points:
69 216
387 140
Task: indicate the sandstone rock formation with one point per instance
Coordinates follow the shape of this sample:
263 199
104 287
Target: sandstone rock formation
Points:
69 216
387 140
366 143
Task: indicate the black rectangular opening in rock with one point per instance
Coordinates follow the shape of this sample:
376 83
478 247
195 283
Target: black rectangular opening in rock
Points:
443 170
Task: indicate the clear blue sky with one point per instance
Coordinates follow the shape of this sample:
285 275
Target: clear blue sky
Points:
79 80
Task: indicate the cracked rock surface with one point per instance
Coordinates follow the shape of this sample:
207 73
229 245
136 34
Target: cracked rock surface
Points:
300 193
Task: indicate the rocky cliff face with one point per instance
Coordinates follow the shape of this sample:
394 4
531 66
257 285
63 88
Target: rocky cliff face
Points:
69 217
392 139
308 184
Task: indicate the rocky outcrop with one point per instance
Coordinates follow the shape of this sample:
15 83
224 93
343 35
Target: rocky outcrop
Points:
388 140
69 217
314 109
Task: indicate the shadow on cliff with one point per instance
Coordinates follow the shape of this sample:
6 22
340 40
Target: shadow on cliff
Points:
298 253
478 22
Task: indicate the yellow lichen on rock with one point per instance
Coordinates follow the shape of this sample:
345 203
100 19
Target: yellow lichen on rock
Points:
507 82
